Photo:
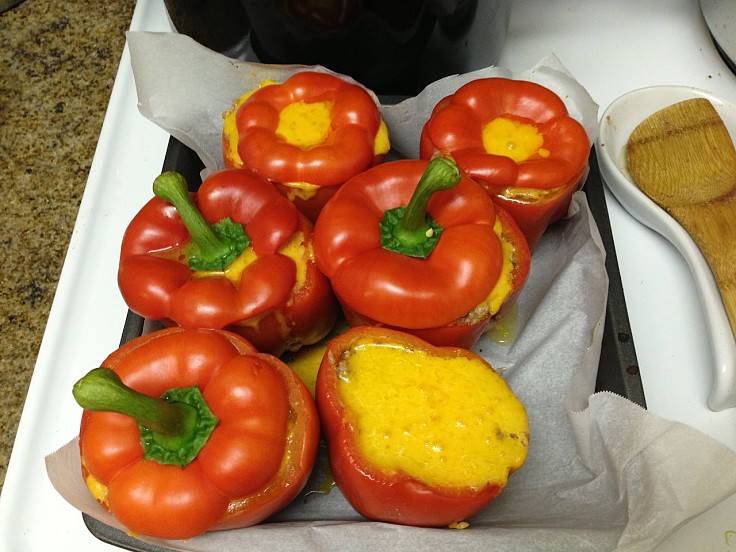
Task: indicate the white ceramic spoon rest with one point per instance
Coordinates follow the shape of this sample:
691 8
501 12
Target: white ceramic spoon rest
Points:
617 123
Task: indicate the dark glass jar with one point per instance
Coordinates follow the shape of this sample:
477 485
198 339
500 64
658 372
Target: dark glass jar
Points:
377 42
221 25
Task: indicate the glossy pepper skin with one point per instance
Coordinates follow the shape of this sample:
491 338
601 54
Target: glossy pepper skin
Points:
536 186
380 495
431 297
353 139
255 461
277 302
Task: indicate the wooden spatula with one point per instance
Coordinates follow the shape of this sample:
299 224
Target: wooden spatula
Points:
683 158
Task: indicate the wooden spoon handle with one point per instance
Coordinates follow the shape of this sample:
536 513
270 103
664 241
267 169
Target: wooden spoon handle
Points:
713 228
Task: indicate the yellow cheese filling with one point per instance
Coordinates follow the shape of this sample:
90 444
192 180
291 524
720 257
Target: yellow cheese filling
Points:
230 127
96 488
300 190
446 421
305 362
505 284
516 140
520 142
503 287
305 125
381 144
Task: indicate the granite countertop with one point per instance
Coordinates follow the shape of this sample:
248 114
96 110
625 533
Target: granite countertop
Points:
59 61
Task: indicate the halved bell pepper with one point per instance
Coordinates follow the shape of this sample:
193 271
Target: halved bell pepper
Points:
465 261
235 255
187 431
307 135
516 139
416 434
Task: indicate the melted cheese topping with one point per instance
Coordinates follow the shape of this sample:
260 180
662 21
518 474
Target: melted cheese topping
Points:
447 421
381 144
230 127
305 125
301 253
300 190
96 488
305 363
504 285
513 139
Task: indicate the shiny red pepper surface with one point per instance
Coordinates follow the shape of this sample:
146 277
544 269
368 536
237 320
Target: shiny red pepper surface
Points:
443 298
517 139
272 294
255 461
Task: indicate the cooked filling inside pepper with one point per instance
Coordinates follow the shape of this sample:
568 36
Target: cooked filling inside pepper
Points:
300 190
230 127
516 140
96 488
445 421
296 249
305 124
382 144
505 284
532 195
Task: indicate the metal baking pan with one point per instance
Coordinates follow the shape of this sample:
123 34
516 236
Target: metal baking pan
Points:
618 370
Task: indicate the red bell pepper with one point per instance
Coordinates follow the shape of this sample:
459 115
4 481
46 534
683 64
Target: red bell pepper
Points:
308 135
186 431
470 261
235 255
517 140
416 434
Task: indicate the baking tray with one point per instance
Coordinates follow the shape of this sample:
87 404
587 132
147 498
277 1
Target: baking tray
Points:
618 370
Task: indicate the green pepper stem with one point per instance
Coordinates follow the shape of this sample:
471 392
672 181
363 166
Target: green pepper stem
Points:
102 390
173 429
413 228
211 246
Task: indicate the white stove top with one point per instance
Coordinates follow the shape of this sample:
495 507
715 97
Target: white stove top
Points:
610 47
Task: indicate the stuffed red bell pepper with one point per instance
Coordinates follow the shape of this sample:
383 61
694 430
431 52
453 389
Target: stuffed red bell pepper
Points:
417 435
187 431
308 135
235 255
516 139
414 245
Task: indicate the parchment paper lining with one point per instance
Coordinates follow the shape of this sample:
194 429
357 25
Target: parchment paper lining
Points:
602 473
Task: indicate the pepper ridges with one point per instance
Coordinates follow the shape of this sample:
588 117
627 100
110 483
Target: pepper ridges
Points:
376 286
518 141
307 135
252 464
271 292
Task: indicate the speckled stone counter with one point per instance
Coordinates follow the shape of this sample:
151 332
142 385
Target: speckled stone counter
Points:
58 62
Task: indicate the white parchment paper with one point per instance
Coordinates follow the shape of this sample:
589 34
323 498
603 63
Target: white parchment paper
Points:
602 473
